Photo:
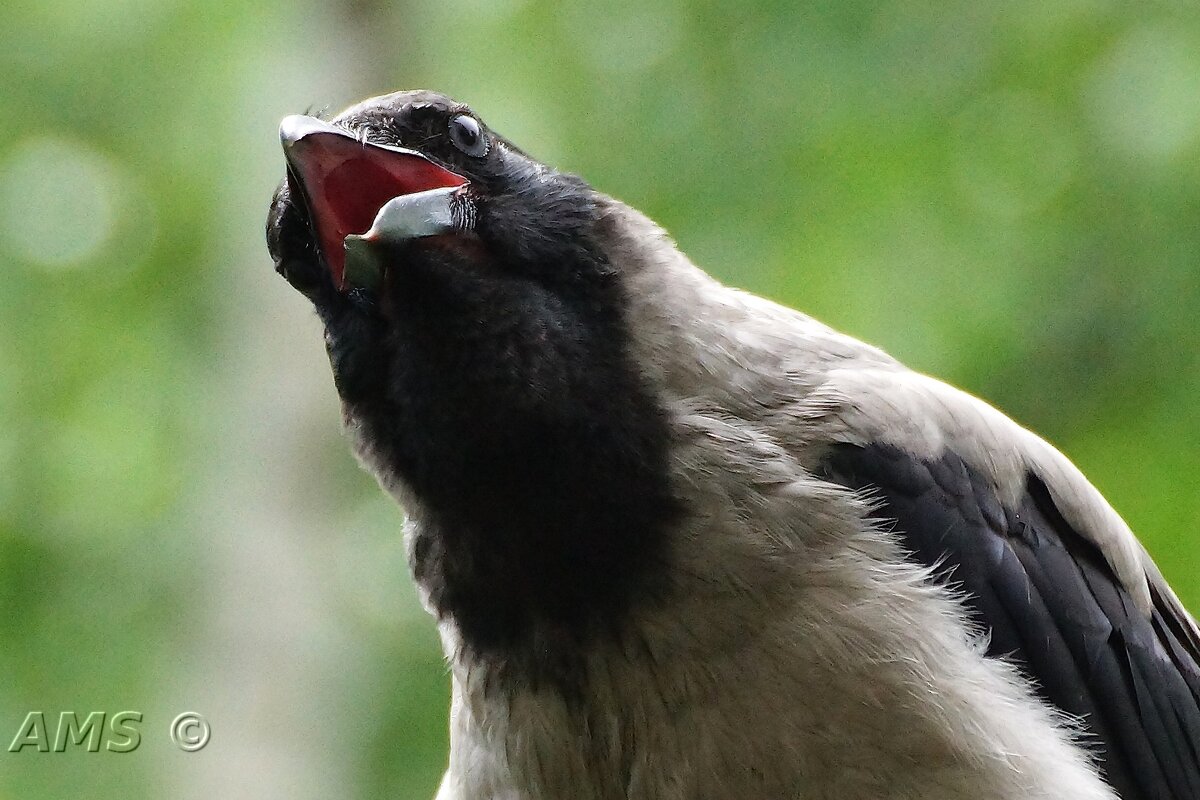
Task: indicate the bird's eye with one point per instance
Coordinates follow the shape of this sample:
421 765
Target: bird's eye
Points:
468 136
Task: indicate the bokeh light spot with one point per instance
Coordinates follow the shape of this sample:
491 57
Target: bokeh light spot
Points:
58 202
1145 94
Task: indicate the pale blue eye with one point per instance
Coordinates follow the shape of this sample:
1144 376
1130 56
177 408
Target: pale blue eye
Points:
468 136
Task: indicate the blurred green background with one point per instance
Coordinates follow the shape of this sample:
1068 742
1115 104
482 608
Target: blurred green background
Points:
1004 195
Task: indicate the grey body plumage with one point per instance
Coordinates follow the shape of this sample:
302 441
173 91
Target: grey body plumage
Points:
679 541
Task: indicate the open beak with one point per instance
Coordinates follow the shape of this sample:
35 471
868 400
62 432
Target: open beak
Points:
360 194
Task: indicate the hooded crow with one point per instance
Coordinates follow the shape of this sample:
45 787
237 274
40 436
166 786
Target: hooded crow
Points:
682 542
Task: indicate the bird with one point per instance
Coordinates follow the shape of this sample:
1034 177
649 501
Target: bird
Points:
682 542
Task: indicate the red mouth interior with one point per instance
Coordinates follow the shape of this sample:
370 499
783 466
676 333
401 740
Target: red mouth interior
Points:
347 182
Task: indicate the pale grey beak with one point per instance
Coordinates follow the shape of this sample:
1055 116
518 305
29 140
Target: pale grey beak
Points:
409 216
433 212
429 213
295 127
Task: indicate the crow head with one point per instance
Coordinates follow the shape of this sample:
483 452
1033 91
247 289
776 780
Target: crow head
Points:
477 331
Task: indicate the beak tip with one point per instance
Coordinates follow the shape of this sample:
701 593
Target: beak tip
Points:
292 129
296 127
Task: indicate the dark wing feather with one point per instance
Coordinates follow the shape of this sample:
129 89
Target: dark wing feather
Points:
1054 607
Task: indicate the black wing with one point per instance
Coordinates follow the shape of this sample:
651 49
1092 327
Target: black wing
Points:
1054 607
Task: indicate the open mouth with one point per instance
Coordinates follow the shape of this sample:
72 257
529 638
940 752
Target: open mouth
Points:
345 181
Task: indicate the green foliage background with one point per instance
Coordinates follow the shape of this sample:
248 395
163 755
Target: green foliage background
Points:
1005 195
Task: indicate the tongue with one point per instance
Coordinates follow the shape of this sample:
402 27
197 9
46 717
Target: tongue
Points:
346 182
